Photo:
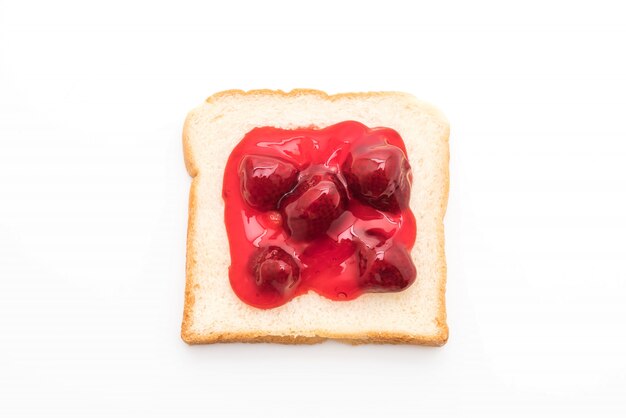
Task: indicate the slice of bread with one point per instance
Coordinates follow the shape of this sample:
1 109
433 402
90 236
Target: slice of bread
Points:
213 313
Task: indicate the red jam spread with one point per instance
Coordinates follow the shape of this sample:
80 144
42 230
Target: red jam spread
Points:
318 209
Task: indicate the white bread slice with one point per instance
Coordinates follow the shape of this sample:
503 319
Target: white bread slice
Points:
213 313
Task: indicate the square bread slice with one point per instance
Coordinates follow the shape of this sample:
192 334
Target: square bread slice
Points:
213 313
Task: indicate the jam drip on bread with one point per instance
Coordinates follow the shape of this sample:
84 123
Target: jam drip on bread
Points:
325 210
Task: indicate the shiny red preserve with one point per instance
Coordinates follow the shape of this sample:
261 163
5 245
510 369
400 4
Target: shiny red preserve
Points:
325 210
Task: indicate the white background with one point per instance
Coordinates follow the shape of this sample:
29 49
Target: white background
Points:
93 205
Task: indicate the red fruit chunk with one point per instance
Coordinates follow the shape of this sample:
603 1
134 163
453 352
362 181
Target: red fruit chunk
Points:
264 180
313 205
275 271
379 176
391 273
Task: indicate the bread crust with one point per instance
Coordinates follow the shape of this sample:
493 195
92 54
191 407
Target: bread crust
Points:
191 337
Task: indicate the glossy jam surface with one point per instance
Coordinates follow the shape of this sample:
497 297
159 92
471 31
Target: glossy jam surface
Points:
318 209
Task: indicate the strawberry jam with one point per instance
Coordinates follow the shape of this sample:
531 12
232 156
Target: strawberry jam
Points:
325 210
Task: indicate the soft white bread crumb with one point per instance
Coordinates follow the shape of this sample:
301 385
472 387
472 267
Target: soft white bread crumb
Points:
214 313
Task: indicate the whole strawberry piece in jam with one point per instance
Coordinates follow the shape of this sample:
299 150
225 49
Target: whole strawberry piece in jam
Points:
379 176
313 205
275 272
392 272
264 180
